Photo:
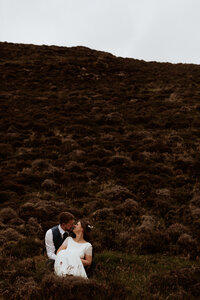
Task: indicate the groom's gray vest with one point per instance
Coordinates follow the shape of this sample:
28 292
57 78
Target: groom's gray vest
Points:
57 238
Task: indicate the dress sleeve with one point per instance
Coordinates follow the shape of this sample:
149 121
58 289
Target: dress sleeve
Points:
88 250
65 243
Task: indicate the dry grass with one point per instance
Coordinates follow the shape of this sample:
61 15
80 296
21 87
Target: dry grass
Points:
115 140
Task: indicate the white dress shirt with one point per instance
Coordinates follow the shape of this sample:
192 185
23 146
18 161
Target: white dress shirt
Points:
50 244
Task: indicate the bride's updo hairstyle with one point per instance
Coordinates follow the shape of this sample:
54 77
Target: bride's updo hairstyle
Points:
87 228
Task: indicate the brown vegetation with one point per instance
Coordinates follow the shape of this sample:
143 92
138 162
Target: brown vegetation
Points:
116 140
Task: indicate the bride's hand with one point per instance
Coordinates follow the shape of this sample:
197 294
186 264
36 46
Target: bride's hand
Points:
87 260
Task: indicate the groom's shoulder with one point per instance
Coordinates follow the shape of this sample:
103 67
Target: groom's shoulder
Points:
52 229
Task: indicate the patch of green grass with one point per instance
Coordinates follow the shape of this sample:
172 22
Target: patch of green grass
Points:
133 271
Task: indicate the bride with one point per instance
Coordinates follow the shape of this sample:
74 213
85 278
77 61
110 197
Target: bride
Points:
75 253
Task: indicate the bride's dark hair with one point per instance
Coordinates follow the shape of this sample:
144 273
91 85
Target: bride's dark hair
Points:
87 228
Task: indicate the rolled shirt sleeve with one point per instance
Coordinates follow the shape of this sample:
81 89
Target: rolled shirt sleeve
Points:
50 248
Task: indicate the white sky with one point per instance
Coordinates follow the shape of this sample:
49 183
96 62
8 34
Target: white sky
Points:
152 30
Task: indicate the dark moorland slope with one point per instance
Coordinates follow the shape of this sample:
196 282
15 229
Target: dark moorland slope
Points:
112 139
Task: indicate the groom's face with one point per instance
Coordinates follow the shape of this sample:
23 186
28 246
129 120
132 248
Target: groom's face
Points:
68 226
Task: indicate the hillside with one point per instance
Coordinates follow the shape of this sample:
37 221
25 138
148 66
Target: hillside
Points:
116 140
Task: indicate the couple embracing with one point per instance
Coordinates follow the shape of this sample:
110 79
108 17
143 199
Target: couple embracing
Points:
70 255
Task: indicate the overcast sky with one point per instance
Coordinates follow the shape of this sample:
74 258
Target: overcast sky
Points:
152 30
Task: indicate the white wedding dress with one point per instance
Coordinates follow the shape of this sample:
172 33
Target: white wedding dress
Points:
68 261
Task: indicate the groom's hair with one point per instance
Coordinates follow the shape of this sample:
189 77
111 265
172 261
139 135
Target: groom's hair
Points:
65 217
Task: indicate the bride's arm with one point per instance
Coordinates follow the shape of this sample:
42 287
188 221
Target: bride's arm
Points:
87 260
62 247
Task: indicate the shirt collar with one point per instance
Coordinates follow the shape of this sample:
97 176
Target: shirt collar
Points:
61 230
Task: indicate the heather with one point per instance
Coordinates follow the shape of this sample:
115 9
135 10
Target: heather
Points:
112 139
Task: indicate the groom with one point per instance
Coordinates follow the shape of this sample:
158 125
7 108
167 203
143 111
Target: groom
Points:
56 235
